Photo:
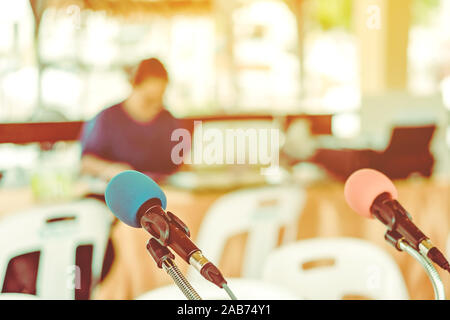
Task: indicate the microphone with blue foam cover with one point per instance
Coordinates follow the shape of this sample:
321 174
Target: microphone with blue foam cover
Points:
128 191
138 201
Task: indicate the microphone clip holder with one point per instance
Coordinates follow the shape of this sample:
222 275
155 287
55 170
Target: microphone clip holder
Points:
158 223
398 241
394 238
397 219
158 252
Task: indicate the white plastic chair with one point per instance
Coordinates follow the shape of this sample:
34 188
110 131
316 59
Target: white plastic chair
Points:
56 231
244 289
260 212
345 268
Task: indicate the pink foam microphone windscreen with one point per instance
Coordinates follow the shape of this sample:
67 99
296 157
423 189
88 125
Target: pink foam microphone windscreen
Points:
362 188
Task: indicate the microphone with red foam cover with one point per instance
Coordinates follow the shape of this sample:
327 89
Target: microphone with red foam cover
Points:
363 187
371 194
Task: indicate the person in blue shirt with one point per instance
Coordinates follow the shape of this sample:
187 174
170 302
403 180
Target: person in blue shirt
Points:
134 134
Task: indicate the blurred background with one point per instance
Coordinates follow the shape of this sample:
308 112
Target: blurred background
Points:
348 83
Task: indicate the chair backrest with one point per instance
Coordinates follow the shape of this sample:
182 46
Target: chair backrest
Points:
410 139
261 212
336 268
57 233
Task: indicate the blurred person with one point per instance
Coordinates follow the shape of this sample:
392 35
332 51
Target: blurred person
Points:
134 134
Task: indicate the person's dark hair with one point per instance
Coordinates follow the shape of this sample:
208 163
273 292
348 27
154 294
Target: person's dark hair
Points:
149 68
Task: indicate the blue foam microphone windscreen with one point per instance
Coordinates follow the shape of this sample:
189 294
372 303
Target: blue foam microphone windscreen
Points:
126 193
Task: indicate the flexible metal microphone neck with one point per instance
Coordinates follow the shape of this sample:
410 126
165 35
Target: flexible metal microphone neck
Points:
433 275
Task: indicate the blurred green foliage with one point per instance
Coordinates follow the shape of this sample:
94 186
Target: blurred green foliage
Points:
422 10
331 14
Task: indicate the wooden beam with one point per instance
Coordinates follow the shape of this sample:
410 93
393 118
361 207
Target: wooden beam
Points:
22 133
51 132
298 9
382 29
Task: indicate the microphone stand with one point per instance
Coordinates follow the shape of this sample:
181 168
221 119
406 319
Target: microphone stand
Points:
395 239
158 225
164 259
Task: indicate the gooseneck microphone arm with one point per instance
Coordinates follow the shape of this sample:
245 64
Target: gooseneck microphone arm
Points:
164 260
433 275
397 240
